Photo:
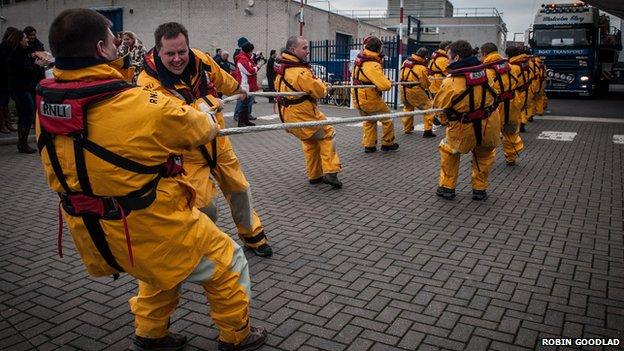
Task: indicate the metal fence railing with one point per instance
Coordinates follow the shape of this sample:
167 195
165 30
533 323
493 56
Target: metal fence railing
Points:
364 14
476 12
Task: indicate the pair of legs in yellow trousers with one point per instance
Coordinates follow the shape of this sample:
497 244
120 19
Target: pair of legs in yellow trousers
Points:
320 154
482 160
369 132
512 145
408 122
223 272
235 188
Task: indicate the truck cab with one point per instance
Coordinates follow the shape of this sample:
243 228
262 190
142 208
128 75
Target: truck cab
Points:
578 47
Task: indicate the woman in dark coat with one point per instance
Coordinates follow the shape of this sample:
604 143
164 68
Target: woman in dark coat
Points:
21 79
5 50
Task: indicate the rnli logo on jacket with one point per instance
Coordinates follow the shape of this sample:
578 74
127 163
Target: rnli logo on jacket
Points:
62 111
477 75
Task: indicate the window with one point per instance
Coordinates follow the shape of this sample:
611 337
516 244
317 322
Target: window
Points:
563 37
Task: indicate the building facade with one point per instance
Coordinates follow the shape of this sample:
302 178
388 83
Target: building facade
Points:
211 24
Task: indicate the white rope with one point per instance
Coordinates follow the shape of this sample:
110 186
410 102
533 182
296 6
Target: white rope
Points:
265 94
366 86
301 93
281 126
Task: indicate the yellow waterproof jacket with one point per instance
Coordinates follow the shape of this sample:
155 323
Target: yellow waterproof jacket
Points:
414 70
438 69
370 71
196 164
504 83
532 74
168 237
299 77
461 137
538 74
522 80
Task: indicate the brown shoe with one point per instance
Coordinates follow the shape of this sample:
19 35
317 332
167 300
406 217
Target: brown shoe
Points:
256 338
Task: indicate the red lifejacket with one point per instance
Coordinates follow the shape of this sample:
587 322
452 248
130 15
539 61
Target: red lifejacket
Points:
525 70
63 111
502 68
475 76
280 68
360 60
408 65
433 64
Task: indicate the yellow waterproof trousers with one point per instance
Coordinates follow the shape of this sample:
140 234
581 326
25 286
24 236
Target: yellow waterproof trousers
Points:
512 145
223 273
320 155
235 188
482 160
408 122
369 130
542 102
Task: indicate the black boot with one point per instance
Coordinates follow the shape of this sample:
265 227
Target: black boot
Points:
392 147
171 342
428 134
22 143
263 250
479 195
243 119
445 193
332 179
256 338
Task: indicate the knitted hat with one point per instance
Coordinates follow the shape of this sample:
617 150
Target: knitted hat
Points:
242 41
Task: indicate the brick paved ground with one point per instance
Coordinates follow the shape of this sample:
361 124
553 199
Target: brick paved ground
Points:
382 264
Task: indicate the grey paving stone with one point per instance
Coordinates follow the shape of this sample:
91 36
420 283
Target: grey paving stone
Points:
381 264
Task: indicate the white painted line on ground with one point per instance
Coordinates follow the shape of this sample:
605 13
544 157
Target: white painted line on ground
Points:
558 136
618 139
228 114
580 119
268 117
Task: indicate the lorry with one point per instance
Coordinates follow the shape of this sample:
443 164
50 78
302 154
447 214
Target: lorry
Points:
579 47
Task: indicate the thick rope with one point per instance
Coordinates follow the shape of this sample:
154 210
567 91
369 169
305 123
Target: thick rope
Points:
300 93
281 126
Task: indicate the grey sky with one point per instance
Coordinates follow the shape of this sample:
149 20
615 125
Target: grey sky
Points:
517 14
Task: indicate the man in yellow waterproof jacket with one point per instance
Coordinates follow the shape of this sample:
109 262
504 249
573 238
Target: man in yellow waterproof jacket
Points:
368 70
540 86
193 78
294 74
416 96
437 67
522 71
534 85
503 81
122 197
472 123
